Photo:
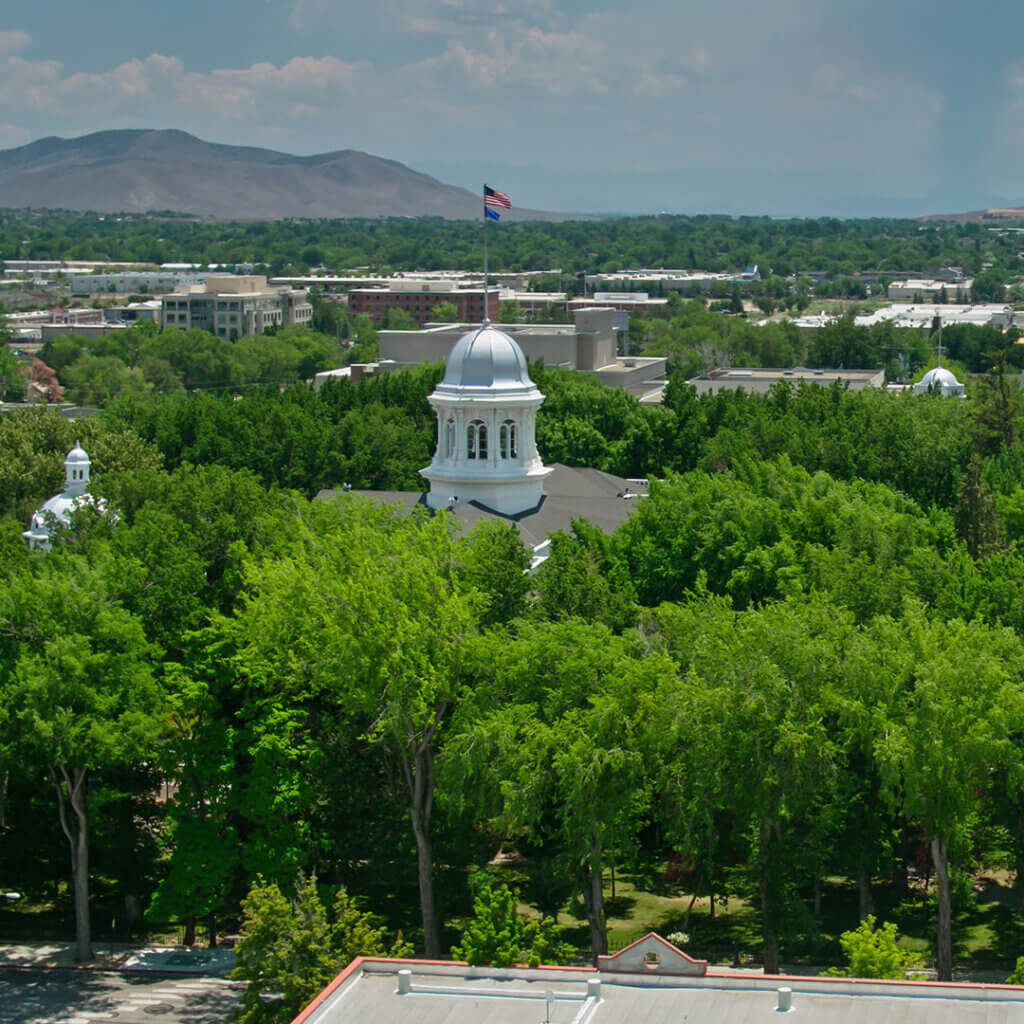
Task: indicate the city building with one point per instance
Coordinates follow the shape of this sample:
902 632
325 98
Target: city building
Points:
419 298
690 282
127 282
650 980
232 306
925 289
922 314
86 330
624 302
760 381
133 312
589 344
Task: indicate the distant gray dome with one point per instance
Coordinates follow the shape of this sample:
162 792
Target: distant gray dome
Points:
939 377
941 380
486 358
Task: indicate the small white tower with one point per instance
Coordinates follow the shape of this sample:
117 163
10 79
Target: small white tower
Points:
486 418
76 470
57 511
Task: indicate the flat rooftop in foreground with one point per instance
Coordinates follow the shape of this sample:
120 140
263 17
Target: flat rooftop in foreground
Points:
450 993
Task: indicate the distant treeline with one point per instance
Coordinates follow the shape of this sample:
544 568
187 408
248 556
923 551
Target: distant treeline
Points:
782 247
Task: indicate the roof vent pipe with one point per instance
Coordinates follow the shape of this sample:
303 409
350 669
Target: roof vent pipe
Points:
405 981
785 1000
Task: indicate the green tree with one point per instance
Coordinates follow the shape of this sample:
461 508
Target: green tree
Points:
752 683
510 312
493 559
12 380
381 632
78 670
954 705
547 744
397 319
445 312
989 286
288 950
500 936
875 952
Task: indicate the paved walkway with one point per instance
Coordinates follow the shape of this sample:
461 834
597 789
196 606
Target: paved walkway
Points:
117 956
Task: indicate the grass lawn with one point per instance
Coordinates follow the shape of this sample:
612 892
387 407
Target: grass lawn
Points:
987 933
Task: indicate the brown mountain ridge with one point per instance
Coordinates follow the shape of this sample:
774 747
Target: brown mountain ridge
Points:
141 170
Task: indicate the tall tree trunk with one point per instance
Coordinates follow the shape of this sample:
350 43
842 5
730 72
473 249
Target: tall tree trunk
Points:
865 901
190 930
689 908
418 768
598 932
71 808
211 927
944 936
769 931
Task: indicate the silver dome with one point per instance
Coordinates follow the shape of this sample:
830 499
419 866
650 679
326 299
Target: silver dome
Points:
486 358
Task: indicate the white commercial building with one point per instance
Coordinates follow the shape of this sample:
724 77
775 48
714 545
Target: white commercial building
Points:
134 281
922 314
924 289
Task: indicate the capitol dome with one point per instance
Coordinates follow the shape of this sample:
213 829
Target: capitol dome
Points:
942 380
486 358
486 409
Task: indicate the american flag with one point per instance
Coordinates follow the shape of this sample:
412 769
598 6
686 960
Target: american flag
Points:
492 197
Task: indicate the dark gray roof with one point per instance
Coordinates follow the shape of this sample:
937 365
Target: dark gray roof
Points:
570 493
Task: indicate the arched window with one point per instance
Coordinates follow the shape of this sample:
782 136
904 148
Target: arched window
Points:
476 440
449 438
508 443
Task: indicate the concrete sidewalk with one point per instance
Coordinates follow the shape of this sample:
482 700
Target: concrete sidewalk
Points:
120 956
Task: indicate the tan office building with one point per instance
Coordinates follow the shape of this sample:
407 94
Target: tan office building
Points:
232 306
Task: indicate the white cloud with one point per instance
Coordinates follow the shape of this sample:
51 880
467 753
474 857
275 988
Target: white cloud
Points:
13 40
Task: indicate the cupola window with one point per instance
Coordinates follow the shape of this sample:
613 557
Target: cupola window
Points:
476 440
508 443
449 438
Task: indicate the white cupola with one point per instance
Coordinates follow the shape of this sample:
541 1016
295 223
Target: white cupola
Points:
56 512
76 470
486 408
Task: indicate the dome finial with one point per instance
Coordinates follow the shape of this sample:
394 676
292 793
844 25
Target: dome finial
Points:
486 322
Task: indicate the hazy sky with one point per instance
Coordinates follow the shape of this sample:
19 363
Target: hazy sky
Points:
789 107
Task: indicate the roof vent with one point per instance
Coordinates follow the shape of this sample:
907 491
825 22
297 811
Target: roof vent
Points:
785 1003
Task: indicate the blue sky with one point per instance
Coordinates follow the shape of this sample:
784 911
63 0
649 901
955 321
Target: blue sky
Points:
787 108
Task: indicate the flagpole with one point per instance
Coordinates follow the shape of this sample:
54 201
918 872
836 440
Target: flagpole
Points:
487 308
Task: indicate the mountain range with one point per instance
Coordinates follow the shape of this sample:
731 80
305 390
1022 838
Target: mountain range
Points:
141 170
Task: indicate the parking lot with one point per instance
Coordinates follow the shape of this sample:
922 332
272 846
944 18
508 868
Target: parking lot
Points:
89 997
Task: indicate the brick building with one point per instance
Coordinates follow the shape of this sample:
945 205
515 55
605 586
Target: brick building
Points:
418 299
